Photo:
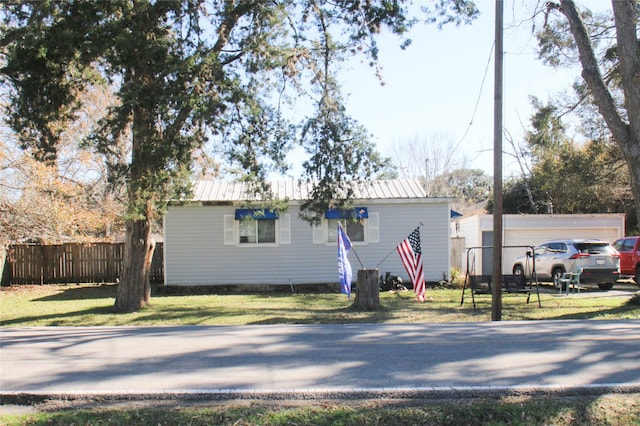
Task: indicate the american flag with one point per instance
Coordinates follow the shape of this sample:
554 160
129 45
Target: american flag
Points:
411 256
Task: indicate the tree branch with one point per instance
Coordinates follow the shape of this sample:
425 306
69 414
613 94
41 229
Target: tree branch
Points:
591 73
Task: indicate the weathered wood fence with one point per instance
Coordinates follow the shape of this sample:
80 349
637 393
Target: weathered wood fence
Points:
71 263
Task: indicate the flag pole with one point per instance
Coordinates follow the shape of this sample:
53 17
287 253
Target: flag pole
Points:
385 258
393 249
357 257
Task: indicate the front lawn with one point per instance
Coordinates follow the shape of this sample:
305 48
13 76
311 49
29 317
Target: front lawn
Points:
90 305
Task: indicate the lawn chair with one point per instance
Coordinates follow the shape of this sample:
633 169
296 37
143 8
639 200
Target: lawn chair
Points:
570 279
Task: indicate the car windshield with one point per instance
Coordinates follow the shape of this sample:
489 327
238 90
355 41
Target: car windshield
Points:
594 248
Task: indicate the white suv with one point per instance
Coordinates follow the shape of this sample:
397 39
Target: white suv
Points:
598 261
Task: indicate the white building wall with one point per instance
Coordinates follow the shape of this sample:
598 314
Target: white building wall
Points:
532 230
195 253
468 229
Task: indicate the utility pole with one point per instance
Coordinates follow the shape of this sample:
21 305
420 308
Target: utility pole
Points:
496 294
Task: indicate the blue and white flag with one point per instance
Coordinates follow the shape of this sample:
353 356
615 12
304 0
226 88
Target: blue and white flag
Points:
344 267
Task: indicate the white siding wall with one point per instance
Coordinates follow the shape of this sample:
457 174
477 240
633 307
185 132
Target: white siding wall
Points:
195 253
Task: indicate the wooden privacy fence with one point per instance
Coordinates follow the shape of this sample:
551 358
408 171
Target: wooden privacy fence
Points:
72 263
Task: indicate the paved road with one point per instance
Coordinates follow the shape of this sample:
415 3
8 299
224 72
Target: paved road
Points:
319 358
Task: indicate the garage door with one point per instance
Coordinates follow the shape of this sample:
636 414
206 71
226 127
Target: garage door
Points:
535 236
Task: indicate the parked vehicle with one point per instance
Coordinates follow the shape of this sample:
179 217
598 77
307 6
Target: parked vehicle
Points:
597 260
629 249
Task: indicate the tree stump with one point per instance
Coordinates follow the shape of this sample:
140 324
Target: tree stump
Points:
368 290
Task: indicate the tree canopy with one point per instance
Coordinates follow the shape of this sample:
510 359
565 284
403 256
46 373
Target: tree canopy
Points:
607 48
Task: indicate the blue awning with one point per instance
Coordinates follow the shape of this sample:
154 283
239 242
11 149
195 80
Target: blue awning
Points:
257 214
357 213
455 213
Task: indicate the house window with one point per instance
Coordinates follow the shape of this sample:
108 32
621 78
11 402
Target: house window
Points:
249 228
256 226
361 226
257 231
354 230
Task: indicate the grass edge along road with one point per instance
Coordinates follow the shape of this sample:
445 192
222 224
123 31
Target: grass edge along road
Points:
91 305
610 409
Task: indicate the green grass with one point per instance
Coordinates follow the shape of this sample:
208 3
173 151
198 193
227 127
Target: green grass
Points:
601 410
91 305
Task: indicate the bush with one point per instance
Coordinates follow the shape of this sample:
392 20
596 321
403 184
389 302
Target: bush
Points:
456 278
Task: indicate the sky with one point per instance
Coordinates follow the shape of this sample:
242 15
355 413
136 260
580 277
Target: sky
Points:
442 85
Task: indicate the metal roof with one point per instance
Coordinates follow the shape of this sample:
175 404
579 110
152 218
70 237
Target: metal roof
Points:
229 191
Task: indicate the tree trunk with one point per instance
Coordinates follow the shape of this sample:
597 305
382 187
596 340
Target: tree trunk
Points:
134 290
368 290
626 18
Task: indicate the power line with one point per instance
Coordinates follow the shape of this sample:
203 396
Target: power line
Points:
475 109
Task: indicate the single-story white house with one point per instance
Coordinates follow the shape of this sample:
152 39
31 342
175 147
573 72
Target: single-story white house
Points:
526 230
216 238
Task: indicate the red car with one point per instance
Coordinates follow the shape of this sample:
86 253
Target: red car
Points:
629 249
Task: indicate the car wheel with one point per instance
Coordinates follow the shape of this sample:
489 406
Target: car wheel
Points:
556 275
517 270
605 286
636 278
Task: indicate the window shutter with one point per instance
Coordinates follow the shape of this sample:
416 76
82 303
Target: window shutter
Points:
229 230
319 233
285 229
373 228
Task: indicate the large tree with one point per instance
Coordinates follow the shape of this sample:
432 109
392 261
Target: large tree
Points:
566 176
608 51
190 70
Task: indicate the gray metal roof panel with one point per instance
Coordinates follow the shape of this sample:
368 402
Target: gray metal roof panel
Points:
222 190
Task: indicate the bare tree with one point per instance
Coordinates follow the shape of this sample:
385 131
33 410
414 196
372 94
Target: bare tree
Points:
68 199
521 154
426 157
